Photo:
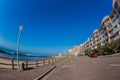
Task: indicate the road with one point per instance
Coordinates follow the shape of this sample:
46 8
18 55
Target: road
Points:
85 68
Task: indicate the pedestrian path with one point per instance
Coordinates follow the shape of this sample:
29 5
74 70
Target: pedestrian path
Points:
24 75
85 68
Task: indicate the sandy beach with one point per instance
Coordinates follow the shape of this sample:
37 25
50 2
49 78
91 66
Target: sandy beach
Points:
5 61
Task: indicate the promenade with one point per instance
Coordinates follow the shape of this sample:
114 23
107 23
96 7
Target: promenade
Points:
85 68
71 68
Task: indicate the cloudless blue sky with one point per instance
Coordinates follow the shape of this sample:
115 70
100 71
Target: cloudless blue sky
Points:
50 26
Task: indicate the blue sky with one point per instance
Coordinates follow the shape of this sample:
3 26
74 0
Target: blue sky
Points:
50 26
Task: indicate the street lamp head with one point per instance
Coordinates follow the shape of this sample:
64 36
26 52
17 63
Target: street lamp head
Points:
21 28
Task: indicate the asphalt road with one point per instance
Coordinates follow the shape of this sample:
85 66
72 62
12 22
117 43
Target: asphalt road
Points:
85 68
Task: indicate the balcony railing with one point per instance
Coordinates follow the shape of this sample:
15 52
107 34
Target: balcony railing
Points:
109 29
117 37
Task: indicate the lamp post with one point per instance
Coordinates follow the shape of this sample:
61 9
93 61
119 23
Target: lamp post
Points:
18 43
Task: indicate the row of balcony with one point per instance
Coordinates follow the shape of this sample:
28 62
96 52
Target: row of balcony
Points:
108 31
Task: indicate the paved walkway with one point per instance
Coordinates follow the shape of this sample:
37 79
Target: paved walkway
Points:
84 68
23 75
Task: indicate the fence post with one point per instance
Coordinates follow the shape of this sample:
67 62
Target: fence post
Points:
52 60
26 64
22 66
43 61
36 63
12 60
55 59
49 61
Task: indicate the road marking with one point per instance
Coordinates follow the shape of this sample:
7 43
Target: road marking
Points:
95 62
115 65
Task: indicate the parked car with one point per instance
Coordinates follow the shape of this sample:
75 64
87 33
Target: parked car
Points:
93 55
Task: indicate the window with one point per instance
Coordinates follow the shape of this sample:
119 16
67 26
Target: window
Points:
111 32
116 34
107 40
114 20
111 16
114 12
116 26
106 34
103 36
116 6
104 29
117 16
119 11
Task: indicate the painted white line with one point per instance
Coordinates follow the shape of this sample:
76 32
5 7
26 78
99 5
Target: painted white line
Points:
95 62
115 65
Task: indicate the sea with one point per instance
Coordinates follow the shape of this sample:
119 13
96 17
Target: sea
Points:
9 53
22 57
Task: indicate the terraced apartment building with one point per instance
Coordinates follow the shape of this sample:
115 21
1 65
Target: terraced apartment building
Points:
109 30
